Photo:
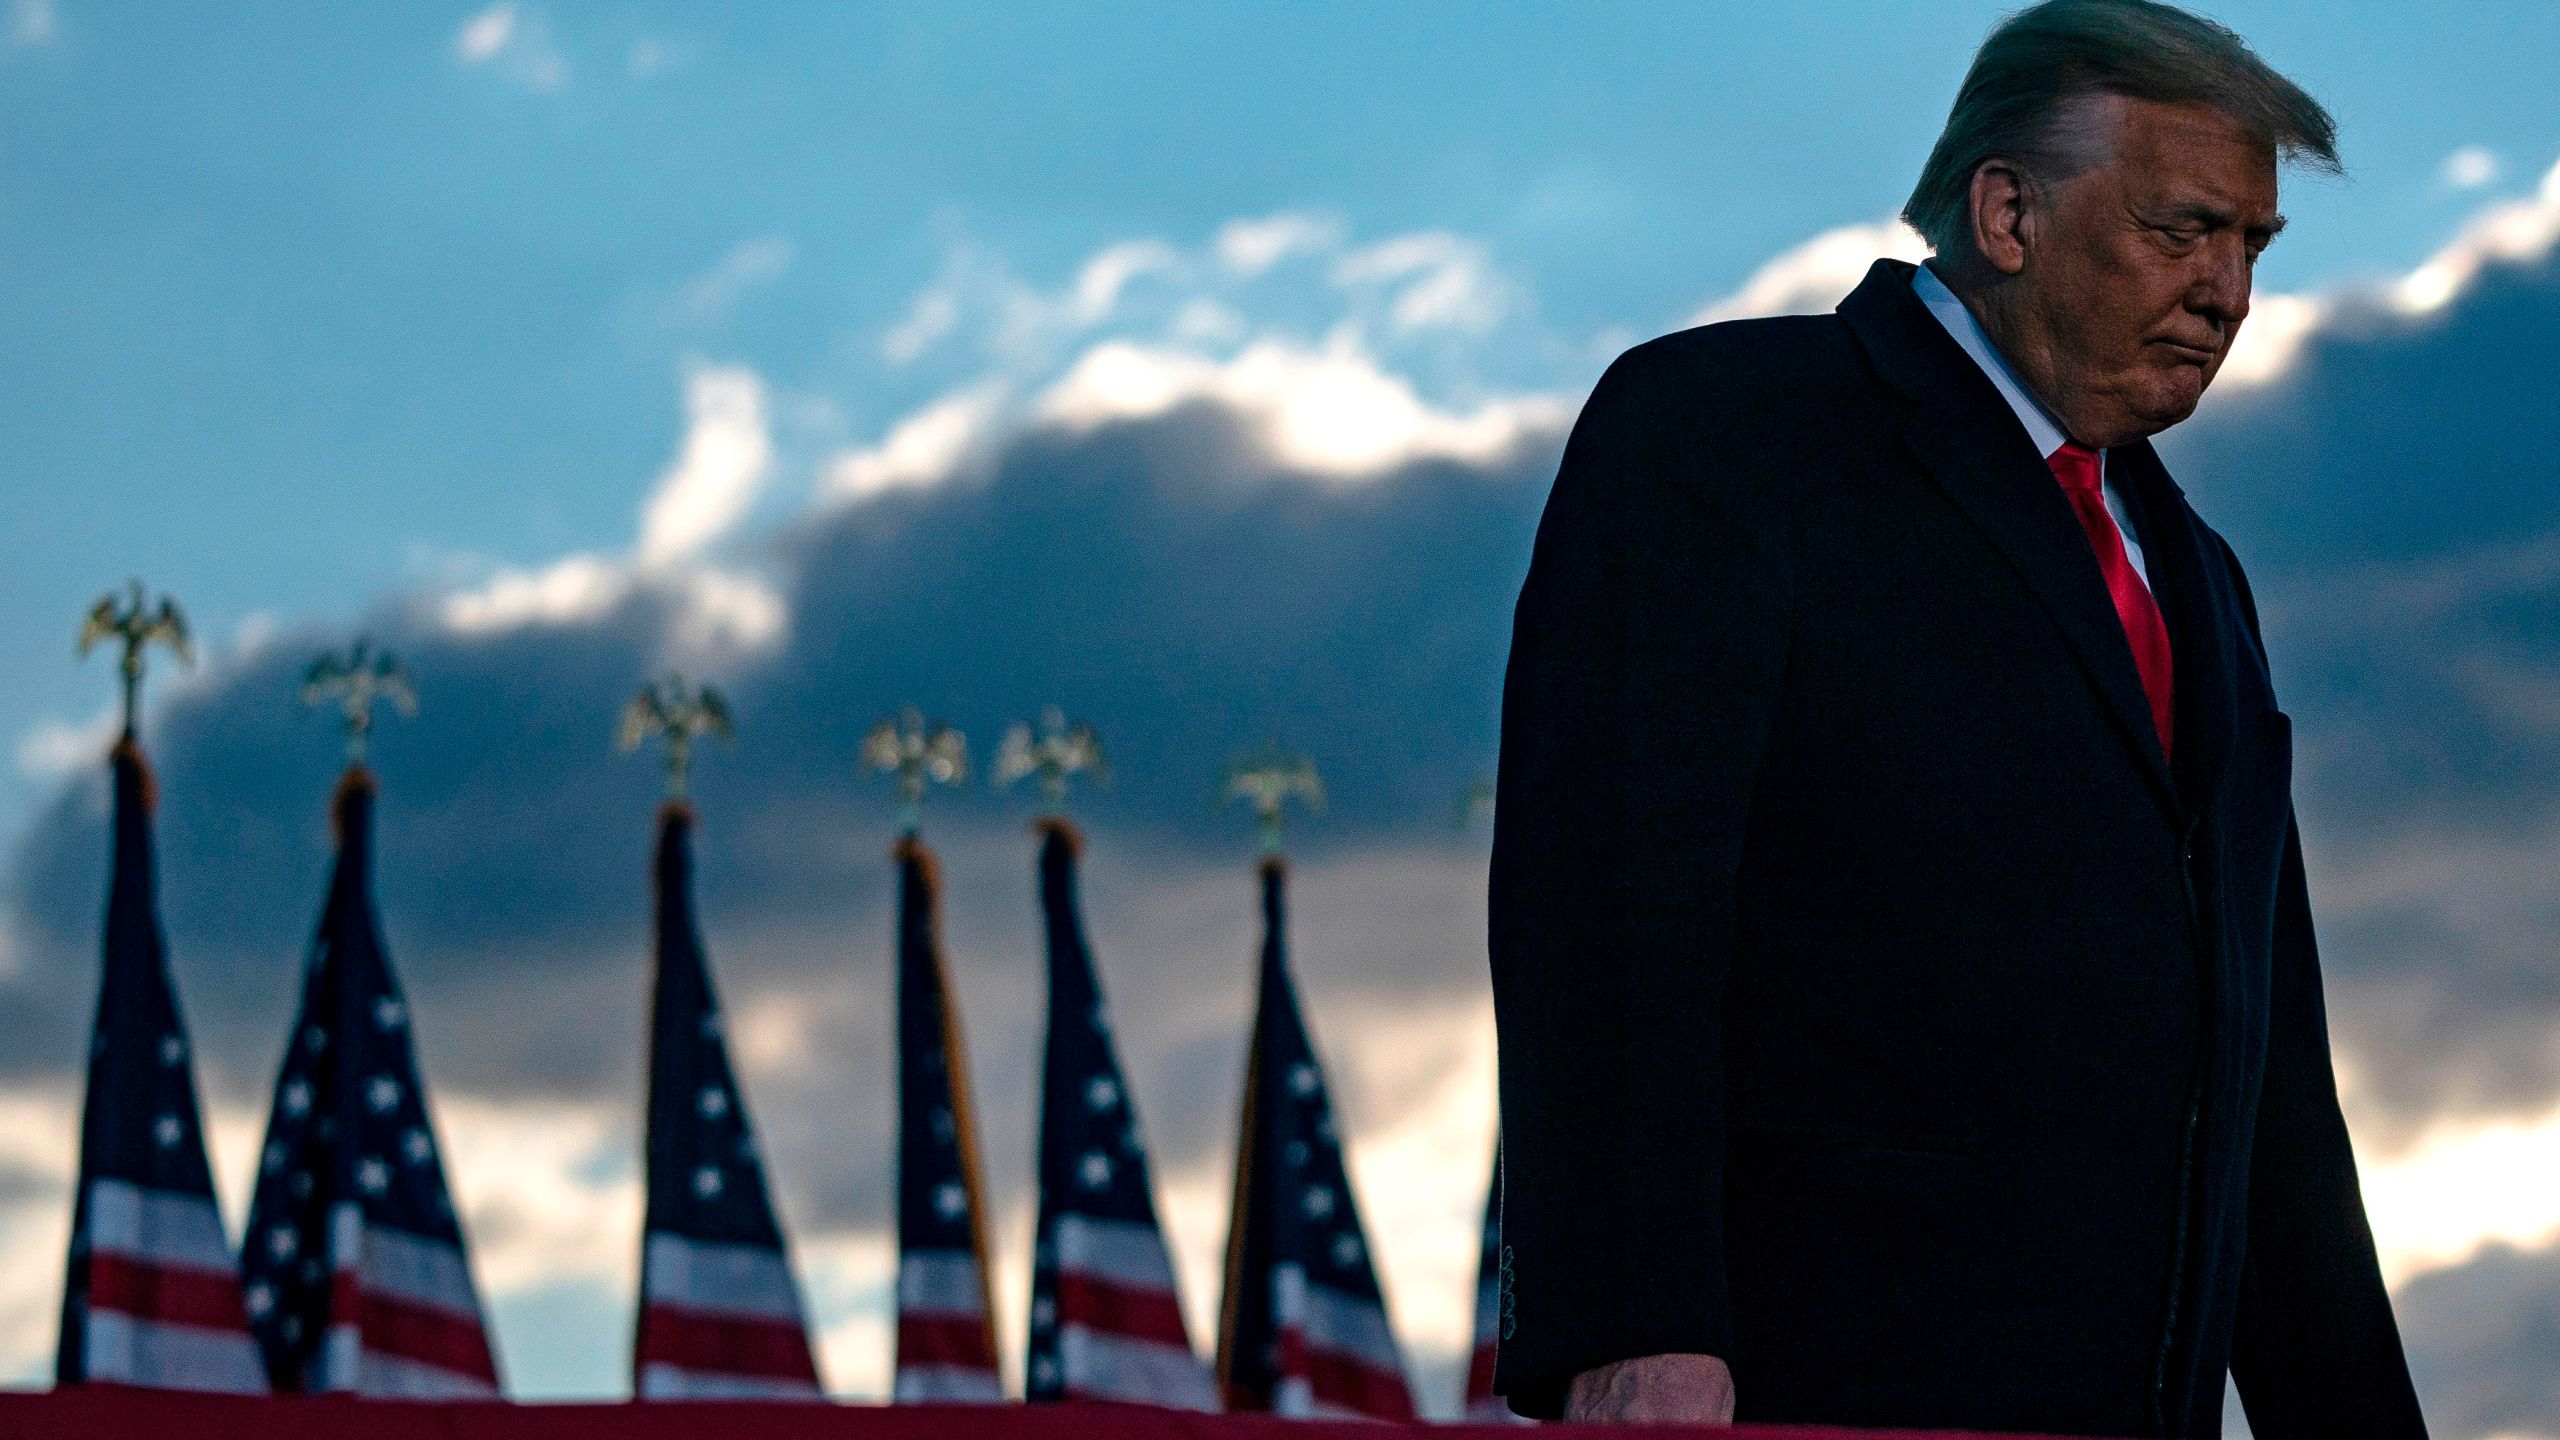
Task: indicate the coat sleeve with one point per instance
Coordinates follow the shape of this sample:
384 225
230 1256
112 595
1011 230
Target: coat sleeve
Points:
2316 1352
1646 658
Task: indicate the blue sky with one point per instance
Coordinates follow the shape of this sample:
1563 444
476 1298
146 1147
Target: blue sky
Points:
1200 368
303 301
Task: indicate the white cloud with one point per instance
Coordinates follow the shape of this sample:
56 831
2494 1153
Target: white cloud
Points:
717 472
57 748
1100 283
485 34
2468 168
1202 321
749 265
1440 281
33 23
39 1139
1249 247
726 454
1197 299
2463 1188
849 1278
921 450
549 1192
2512 231
1104 348
514 43
1398 256
1331 410
1815 276
1021 325
1421 1169
1015 321
2277 326
2508 232
651 56
972 285
256 631
566 591
933 314
717 611
723 612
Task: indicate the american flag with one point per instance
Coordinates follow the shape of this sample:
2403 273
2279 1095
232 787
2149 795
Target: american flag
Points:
1304 1327
1106 1323
352 1261
946 1315
152 1296
1481 1405
719 1314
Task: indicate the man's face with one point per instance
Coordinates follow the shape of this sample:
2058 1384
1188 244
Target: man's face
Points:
2138 269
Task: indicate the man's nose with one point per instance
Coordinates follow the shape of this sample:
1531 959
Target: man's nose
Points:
2221 285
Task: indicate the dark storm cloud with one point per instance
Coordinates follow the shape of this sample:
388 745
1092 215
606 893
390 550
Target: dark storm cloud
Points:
1160 578
1157 578
2397 498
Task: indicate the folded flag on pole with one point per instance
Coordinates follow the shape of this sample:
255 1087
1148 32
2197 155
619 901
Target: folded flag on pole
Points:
1106 1321
1481 1406
352 1260
719 1313
152 1296
720 1316
1304 1327
946 1313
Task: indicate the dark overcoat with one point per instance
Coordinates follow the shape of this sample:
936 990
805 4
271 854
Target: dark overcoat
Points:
1880 1008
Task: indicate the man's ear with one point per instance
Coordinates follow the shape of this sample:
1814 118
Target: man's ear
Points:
1998 208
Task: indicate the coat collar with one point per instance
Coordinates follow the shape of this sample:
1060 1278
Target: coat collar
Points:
1971 446
2200 606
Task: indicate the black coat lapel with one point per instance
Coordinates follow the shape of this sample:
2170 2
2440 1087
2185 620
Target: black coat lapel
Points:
2196 598
1972 447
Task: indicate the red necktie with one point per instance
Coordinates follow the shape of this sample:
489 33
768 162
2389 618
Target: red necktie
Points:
2076 466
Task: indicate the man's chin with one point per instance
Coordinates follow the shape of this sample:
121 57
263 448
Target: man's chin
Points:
2170 399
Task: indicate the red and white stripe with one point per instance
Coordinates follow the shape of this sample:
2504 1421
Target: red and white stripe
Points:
404 1320
1338 1359
1483 1407
1120 1331
721 1322
164 1298
946 1341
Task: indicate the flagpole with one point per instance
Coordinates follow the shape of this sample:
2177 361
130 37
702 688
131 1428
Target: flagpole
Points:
1055 752
351 1177
719 1309
155 1305
1090 1341
964 1109
1231 1291
1267 778
918 755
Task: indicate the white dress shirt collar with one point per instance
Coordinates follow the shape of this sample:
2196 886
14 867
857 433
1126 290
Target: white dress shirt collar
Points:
1968 332
2042 428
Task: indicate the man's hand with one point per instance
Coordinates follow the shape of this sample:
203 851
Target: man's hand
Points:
1654 1390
